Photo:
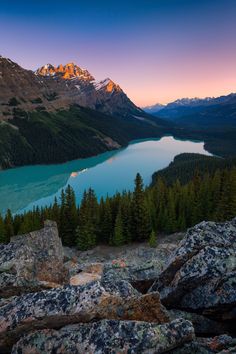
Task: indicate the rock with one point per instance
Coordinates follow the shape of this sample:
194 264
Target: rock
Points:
84 278
83 274
70 253
94 268
71 304
122 288
32 262
202 325
139 266
201 274
223 344
108 336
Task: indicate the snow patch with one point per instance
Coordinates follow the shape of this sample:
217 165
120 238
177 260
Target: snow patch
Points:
98 85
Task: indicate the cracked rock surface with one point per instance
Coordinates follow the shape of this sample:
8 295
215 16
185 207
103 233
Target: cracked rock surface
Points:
201 273
108 337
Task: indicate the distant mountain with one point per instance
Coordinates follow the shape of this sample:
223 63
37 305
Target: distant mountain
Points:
201 113
154 109
60 113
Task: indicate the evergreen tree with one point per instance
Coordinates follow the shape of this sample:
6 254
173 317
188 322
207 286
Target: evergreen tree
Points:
56 212
128 217
141 222
62 224
70 217
152 239
171 223
86 229
105 222
125 206
118 236
2 231
9 229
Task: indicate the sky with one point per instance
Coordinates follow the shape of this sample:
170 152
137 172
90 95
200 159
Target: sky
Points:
156 50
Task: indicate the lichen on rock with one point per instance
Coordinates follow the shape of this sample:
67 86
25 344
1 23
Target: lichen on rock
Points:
108 336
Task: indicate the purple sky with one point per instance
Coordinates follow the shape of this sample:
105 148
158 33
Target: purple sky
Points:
156 50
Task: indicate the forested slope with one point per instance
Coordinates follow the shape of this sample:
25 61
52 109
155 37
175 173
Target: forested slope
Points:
185 166
133 216
43 137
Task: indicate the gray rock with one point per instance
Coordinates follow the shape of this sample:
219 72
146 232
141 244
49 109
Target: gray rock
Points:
71 304
139 266
201 274
108 337
202 325
223 344
32 262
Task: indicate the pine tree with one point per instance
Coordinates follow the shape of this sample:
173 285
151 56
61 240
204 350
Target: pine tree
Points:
141 221
9 229
56 212
86 229
152 239
118 236
70 217
159 196
105 222
2 231
171 223
125 206
196 206
225 210
62 224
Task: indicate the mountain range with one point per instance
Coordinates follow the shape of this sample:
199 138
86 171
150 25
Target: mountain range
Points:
197 112
61 112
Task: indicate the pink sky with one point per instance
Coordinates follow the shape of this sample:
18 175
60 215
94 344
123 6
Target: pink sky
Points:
156 50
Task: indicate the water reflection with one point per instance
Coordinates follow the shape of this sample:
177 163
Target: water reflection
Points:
19 187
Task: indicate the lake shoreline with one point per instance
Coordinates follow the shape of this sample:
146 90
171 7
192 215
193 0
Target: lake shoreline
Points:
23 188
134 141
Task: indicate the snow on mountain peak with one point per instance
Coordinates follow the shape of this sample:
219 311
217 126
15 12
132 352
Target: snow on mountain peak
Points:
108 85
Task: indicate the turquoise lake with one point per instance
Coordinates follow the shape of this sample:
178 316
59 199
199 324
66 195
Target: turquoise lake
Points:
25 187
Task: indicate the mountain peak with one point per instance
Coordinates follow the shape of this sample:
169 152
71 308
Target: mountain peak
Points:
107 85
68 71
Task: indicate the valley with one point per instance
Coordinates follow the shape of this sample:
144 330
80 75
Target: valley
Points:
118 177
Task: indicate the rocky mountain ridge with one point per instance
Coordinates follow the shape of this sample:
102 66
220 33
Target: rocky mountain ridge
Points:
52 88
115 313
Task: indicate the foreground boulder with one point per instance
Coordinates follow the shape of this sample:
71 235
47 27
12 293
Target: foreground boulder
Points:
108 336
201 274
32 262
72 304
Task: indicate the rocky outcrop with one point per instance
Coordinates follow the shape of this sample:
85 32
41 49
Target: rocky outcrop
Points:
71 304
201 274
108 336
111 315
32 262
